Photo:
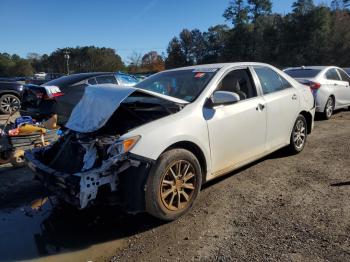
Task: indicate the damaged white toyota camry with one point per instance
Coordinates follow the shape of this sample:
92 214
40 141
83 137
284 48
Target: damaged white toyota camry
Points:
151 147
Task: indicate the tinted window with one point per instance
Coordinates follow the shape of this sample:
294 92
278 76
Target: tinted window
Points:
332 74
239 82
344 76
302 73
125 79
270 80
106 80
92 81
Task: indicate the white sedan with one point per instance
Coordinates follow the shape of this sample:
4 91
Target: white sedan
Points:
151 147
330 85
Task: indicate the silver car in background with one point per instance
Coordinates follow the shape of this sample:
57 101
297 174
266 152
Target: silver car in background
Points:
329 84
154 145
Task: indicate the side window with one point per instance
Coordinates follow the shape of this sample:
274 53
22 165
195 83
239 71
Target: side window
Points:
344 76
332 74
239 82
124 79
285 83
270 80
106 80
92 81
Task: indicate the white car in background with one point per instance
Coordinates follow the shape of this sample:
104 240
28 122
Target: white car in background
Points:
152 146
330 86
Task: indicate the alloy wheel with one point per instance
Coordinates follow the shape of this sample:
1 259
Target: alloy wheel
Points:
9 104
178 185
299 134
329 107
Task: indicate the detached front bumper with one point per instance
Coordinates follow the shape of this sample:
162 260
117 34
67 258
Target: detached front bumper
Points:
122 178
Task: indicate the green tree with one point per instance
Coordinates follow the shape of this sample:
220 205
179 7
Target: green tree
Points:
259 8
303 7
85 59
214 40
22 67
176 57
237 13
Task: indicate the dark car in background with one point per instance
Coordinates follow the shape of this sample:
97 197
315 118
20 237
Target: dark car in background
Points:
60 95
10 93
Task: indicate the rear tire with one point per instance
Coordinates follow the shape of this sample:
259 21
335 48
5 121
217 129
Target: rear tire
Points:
173 184
298 136
9 103
329 108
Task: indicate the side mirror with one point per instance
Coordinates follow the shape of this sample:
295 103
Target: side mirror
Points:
223 98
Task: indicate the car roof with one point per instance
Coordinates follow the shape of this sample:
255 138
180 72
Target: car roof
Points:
74 78
321 68
221 65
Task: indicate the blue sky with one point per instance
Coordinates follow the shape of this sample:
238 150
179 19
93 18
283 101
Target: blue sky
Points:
41 26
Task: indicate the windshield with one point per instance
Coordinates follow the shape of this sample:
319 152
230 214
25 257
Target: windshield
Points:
303 73
182 84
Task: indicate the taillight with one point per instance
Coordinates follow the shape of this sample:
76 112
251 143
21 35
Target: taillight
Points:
57 94
313 85
46 97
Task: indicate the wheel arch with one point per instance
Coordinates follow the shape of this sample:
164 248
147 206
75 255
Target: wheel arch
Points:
194 149
308 117
10 92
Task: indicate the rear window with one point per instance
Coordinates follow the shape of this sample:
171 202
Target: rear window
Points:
345 77
106 80
303 73
332 74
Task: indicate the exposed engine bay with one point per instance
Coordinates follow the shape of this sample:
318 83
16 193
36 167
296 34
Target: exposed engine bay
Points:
82 165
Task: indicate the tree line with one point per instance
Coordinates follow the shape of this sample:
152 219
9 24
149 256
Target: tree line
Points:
81 59
309 35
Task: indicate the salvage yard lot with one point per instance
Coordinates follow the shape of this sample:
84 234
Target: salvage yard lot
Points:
280 208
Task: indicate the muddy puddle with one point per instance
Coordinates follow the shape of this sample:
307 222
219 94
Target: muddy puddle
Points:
57 232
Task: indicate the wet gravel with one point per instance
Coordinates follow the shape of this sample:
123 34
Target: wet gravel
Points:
281 208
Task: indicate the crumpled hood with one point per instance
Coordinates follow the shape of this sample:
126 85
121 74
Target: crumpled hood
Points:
99 103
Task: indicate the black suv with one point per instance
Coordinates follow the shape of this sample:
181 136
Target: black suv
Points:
10 93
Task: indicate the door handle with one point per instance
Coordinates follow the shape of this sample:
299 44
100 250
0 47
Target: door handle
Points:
294 97
260 107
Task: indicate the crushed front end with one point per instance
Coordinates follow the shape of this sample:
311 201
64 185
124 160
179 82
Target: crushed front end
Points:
85 170
91 162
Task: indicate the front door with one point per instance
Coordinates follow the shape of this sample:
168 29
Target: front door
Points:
237 132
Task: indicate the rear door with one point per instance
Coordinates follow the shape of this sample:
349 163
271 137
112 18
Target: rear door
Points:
282 105
337 87
237 132
346 86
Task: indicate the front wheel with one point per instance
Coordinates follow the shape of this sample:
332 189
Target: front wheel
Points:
173 185
298 136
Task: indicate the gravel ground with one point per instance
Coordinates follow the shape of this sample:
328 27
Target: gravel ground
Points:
281 208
